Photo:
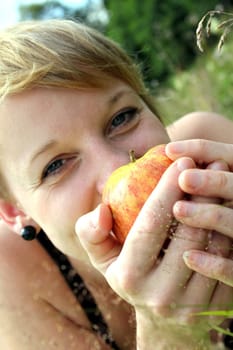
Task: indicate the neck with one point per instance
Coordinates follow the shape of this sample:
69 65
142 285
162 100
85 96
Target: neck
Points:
89 274
119 314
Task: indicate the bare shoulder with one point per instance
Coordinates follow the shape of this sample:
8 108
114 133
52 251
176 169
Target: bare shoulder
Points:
204 125
25 264
37 306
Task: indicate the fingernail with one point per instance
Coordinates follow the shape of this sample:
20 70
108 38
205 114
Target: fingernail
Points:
187 259
186 256
193 258
184 209
183 164
194 180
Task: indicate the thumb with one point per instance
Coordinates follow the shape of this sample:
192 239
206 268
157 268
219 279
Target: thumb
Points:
94 232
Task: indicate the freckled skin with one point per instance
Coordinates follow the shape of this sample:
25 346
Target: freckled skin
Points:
129 186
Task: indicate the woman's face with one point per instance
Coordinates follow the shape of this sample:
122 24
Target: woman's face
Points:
59 147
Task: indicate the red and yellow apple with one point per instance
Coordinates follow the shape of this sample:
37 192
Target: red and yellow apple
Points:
128 187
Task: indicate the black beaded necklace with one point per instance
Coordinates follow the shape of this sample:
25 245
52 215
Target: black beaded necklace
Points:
76 284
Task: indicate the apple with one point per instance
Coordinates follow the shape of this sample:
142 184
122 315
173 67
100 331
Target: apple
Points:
128 187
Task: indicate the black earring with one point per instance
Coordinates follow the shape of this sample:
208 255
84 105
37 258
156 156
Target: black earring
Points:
28 233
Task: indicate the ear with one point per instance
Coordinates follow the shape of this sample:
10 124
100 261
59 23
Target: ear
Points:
14 217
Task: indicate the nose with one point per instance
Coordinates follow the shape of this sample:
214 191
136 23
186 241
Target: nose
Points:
108 160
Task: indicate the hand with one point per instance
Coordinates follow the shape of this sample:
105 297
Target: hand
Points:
151 226
161 286
216 181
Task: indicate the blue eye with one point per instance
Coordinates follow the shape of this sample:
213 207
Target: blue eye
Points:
53 168
124 117
119 119
60 167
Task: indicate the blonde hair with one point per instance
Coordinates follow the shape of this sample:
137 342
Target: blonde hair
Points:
62 53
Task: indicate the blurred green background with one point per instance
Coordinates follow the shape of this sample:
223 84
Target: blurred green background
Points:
160 36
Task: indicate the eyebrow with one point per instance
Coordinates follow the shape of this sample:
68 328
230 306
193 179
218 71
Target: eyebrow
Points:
117 96
43 149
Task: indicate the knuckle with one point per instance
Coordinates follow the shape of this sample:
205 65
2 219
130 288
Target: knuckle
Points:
222 180
217 216
79 226
164 306
157 216
201 145
223 269
227 270
127 282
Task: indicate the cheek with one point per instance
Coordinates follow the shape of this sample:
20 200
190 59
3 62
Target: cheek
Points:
152 133
56 211
58 222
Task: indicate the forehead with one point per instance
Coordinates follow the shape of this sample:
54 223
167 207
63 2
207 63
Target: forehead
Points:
41 104
24 116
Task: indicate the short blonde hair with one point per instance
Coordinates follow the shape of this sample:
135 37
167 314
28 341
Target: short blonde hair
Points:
62 53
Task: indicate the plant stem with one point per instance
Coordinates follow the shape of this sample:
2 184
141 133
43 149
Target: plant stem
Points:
132 156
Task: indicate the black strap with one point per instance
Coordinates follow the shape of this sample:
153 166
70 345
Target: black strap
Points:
79 289
228 340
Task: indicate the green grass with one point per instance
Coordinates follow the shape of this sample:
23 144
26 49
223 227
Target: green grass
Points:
227 314
207 85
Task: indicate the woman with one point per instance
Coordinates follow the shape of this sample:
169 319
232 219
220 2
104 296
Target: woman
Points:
72 105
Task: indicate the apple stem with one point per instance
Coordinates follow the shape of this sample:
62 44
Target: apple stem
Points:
132 156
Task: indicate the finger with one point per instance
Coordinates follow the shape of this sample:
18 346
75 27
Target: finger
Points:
198 292
147 236
211 266
178 275
218 165
94 232
207 182
208 216
184 214
219 244
172 269
199 288
201 151
222 298
186 238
